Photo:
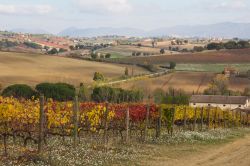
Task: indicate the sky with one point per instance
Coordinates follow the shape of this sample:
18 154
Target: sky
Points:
56 15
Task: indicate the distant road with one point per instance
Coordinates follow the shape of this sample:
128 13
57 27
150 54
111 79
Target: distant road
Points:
152 75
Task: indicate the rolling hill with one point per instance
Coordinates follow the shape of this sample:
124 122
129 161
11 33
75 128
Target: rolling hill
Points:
36 68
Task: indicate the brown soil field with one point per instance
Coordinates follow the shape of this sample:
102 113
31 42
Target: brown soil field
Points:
36 68
222 56
188 81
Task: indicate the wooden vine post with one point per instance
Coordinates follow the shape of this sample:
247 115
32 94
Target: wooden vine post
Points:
202 111
219 119
5 136
214 118
230 118
147 122
240 119
243 119
224 119
158 127
195 119
185 118
127 125
41 125
105 137
173 119
247 117
75 120
208 119
234 118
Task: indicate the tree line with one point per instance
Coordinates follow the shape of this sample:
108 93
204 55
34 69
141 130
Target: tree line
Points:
228 45
67 92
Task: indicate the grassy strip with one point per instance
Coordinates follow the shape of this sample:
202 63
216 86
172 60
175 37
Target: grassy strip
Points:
204 137
59 153
211 67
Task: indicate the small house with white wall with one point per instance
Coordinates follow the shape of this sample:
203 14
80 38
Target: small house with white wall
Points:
223 102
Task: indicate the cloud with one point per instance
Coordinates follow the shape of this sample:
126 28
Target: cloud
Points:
231 4
25 9
104 6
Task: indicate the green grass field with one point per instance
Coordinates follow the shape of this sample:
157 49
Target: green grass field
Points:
212 67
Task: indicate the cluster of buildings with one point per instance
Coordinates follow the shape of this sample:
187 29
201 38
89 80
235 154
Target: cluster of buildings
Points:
45 41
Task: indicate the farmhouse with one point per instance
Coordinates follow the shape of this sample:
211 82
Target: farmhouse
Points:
223 102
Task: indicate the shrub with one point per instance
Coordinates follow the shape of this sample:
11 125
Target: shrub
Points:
58 91
158 95
98 77
84 93
108 55
218 86
243 44
32 45
198 48
6 44
247 91
215 46
149 67
94 56
162 51
62 50
116 95
19 91
126 71
172 65
138 54
231 45
53 51
176 96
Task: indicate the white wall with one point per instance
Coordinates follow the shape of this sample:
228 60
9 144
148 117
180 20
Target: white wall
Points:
222 106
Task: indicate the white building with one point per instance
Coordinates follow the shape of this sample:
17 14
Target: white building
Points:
223 102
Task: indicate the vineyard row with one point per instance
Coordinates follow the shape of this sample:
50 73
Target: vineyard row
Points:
36 120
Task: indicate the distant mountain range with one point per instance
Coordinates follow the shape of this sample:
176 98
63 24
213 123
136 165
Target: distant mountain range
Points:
92 32
226 30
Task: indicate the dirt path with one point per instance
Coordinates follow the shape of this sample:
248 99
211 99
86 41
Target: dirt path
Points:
235 153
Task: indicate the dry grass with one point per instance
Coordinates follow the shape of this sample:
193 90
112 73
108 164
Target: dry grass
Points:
188 81
34 68
166 44
126 50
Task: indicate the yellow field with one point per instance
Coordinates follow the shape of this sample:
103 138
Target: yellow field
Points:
35 68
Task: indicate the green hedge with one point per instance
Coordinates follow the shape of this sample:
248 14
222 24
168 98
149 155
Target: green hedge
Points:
57 91
19 91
